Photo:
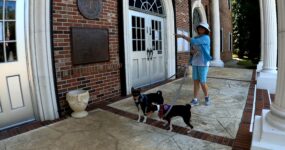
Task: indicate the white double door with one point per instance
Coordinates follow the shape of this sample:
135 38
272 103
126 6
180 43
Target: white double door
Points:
15 95
147 49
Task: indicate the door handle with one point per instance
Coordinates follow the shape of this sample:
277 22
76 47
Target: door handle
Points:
148 54
151 53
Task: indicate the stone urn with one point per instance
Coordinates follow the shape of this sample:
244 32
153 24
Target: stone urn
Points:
78 100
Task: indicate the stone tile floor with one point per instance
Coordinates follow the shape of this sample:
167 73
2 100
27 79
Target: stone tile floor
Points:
114 126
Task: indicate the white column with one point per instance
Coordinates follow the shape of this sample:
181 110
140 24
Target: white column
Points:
269 129
268 74
278 107
217 62
260 63
270 36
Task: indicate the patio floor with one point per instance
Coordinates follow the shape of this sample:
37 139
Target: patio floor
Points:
113 126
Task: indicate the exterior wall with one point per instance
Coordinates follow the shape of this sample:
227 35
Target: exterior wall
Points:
226 24
101 79
182 23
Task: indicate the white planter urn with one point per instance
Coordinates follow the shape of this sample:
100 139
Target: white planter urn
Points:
78 100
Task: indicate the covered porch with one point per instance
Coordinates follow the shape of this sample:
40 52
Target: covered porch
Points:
225 124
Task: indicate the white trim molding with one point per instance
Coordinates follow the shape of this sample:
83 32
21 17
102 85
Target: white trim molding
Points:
40 57
198 4
169 41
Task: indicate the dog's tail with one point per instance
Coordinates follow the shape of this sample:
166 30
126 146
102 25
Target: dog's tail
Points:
188 106
159 93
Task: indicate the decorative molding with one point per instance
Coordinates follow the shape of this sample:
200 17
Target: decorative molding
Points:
90 9
38 39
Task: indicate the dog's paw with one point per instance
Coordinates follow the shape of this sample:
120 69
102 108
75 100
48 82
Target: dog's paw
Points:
144 121
188 131
138 120
165 124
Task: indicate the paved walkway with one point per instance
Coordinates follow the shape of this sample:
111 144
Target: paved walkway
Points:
114 126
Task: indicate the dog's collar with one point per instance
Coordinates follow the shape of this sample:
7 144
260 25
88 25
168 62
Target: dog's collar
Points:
142 98
162 109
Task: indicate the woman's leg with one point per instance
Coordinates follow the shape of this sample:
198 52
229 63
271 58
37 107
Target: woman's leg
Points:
195 76
196 88
205 89
203 74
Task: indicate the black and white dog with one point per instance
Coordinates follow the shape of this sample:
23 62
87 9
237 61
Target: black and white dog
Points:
144 101
166 112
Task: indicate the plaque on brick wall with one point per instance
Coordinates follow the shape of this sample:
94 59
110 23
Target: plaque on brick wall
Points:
89 45
90 9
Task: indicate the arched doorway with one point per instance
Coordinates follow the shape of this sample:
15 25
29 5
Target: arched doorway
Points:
198 15
147 31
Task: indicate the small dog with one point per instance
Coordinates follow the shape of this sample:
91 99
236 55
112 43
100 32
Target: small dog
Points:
144 101
183 111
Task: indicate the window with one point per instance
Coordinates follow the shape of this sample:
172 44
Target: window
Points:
196 20
156 37
222 39
148 6
8 49
182 44
230 45
207 12
138 33
230 4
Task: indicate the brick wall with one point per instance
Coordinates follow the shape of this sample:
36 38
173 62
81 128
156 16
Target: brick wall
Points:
101 79
226 24
182 23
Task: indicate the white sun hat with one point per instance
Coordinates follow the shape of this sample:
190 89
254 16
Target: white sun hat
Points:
204 25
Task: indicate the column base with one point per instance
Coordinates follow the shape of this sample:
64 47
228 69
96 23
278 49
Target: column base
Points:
217 63
267 80
259 66
265 136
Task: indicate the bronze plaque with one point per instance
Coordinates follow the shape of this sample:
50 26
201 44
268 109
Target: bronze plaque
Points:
90 9
89 45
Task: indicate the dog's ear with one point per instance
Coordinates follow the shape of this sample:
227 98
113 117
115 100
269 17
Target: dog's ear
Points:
132 89
135 92
159 93
139 89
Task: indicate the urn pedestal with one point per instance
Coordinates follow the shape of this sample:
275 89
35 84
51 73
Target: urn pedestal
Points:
78 100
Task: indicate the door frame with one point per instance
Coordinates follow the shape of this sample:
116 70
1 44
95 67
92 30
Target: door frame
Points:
40 58
169 41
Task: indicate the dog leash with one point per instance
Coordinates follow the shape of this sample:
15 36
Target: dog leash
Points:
177 91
